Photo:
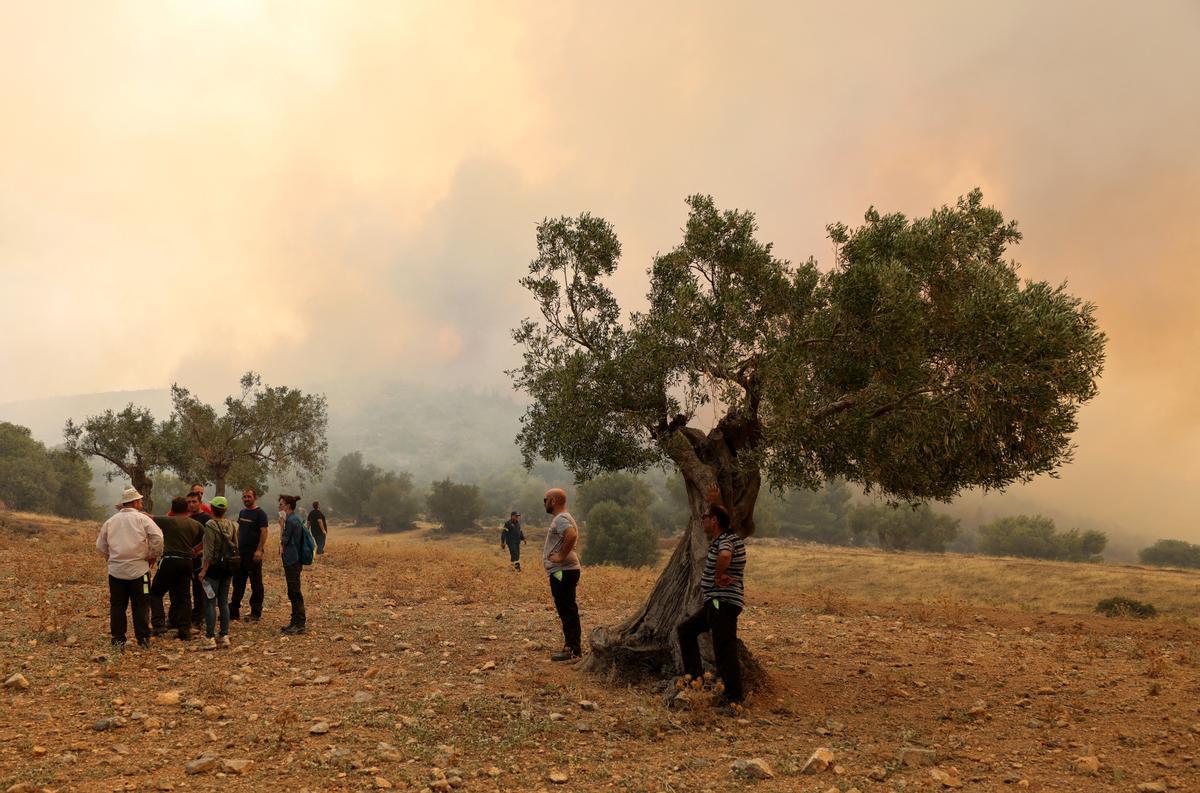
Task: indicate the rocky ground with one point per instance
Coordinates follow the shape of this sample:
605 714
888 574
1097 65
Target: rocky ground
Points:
426 667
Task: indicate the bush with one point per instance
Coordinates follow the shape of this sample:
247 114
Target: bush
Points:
455 505
394 504
903 528
1171 553
35 479
1034 537
619 535
1125 607
619 488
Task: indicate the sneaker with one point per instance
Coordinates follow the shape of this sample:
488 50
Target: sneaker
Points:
287 628
184 636
565 654
143 643
223 641
293 630
209 644
253 618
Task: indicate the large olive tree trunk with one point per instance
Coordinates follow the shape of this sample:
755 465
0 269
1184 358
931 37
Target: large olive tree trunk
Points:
645 642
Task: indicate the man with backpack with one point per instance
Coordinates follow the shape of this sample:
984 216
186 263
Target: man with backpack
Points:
219 561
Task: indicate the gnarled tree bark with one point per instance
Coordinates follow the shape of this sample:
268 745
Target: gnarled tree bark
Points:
645 644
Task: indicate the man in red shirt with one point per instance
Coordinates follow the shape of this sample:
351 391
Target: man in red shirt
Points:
198 492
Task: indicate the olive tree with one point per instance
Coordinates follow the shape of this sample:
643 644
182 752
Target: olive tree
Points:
918 364
264 429
131 443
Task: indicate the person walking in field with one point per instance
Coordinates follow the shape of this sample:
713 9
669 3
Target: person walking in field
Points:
253 528
131 542
317 526
291 551
219 562
562 564
724 598
512 535
174 575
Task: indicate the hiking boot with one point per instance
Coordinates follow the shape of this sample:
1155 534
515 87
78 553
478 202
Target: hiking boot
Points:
223 642
293 630
253 618
565 654
143 643
210 643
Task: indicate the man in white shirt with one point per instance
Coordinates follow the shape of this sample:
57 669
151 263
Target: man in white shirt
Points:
131 542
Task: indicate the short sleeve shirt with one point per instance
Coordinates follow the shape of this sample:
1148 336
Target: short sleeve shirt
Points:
251 523
555 537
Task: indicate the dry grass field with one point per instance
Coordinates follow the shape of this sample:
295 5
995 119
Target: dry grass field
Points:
426 667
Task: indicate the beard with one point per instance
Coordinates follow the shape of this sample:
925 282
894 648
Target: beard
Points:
549 509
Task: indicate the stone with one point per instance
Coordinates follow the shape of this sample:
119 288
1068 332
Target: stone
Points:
1152 787
755 767
556 717
361 697
877 773
103 725
17 681
211 712
20 787
236 766
1089 764
168 698
201 765
945 778
151 723
493 771
915 757
382 783
488 666
558 777
321 680
820 760
320 728
585 704
39 751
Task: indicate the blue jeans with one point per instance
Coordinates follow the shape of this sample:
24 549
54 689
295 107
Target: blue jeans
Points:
221 585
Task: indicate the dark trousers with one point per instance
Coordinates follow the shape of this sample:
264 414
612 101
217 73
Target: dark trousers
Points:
722 622
514 554
252 571
319 537
291 573
122 593
173 578
198 596
568 611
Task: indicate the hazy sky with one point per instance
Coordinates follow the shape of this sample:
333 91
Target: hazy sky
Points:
190 190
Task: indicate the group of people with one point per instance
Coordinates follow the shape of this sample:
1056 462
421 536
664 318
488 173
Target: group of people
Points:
199 552
202 560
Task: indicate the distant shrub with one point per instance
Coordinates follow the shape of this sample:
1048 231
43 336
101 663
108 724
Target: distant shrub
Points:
1034 537
903 528
1125 607
1171 553
455 505
619 535
393 503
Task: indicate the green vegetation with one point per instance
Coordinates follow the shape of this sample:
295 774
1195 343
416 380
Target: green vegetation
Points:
812 515
1125 607
619 534
393 503
131 443
455 505
262 430
903 528
1171 553
1035 537
36 479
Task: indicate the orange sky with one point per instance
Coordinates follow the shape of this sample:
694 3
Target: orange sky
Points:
351 188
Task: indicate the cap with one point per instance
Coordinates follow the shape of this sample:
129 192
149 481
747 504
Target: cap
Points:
220 502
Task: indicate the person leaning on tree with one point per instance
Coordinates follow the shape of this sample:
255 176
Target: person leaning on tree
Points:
724 598
131 542
562 564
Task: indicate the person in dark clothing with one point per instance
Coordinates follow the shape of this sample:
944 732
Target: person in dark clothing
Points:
200 512
512 535
253 528
562 564
318 527
291 540
174 576
723 591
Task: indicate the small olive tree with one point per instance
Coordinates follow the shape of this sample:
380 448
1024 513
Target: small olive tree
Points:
917 365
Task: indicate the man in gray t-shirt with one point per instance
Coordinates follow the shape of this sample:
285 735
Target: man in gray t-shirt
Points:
562 564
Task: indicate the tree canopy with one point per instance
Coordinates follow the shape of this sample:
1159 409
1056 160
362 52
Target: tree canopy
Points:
264 429
919 364
132 444
37 479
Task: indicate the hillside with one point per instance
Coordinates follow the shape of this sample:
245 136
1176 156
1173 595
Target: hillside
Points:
426 660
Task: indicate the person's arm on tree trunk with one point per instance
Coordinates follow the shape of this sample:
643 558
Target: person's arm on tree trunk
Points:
712 494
